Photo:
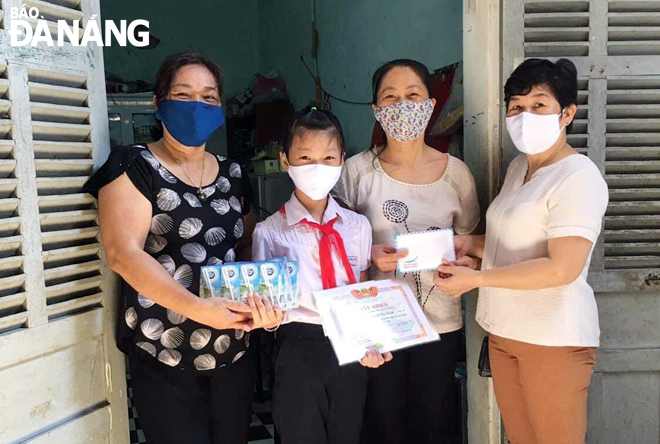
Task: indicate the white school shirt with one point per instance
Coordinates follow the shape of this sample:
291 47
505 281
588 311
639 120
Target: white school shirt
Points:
567 198
394 207
283 235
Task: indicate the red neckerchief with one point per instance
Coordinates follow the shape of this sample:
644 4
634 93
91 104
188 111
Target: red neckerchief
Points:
329 238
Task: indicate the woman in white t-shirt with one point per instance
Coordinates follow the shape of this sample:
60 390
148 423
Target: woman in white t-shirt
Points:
540 232
402 187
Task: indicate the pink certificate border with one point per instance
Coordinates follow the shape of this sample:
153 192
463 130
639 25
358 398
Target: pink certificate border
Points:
424 333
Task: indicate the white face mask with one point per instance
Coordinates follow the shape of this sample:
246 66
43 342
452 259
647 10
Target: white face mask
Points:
315 180
534 133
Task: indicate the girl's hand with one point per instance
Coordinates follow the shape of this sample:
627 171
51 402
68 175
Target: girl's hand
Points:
263 313
373 359
455 281
386 257
222 314
462 245
465 261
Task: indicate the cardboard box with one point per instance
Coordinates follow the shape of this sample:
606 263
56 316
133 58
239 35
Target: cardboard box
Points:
266 166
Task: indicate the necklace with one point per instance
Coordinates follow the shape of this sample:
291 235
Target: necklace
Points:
200 193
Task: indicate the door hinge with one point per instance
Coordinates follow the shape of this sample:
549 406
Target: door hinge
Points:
652 279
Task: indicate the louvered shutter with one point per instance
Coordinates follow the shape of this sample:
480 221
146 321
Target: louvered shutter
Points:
632 166
62 378
13 298
616 47
68 219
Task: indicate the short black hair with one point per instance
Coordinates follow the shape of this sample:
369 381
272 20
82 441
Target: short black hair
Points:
313 118
420 69
560 77
173 63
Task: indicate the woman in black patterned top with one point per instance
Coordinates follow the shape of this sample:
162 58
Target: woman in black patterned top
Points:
165 210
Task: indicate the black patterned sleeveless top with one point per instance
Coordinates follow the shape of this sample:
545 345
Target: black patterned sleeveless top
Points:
186 233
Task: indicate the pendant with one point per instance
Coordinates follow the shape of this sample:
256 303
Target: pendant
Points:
201 195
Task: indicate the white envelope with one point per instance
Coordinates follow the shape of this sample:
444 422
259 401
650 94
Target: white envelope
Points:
426 249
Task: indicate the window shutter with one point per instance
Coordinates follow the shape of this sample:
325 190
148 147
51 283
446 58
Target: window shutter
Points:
633 28
68 218
632 167
556 28
13 276
57 298
47 129
54 10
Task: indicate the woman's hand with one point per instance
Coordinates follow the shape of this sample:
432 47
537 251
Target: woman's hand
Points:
386 257
465 261
455 280
373 359
222 314
264 315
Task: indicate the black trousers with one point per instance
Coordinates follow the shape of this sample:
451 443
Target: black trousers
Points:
409 399
315 401
188 406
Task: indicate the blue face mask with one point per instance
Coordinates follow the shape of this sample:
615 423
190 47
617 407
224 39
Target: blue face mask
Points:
190 123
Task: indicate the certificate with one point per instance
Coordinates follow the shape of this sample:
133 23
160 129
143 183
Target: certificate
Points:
426 249
375 315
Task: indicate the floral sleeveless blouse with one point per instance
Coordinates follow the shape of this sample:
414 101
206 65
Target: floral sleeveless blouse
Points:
186 233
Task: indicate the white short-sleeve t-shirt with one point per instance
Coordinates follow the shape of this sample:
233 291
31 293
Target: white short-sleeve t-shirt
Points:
282 234
395 207
565 199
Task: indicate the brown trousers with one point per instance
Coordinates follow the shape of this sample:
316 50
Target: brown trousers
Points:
541 391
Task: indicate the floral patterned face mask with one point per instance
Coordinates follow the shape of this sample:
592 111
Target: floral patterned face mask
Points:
405 120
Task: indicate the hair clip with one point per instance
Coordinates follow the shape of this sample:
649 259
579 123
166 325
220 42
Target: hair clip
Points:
314 108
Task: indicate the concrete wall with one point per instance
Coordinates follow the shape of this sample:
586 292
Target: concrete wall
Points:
285 33
355 38
483 101
224 30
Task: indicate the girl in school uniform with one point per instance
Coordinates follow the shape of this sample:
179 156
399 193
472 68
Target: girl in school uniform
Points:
315 401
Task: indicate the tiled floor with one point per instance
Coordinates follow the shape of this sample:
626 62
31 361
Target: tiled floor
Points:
137 434
261 428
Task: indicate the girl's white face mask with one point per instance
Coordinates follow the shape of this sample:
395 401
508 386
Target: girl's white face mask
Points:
534 133
315 180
